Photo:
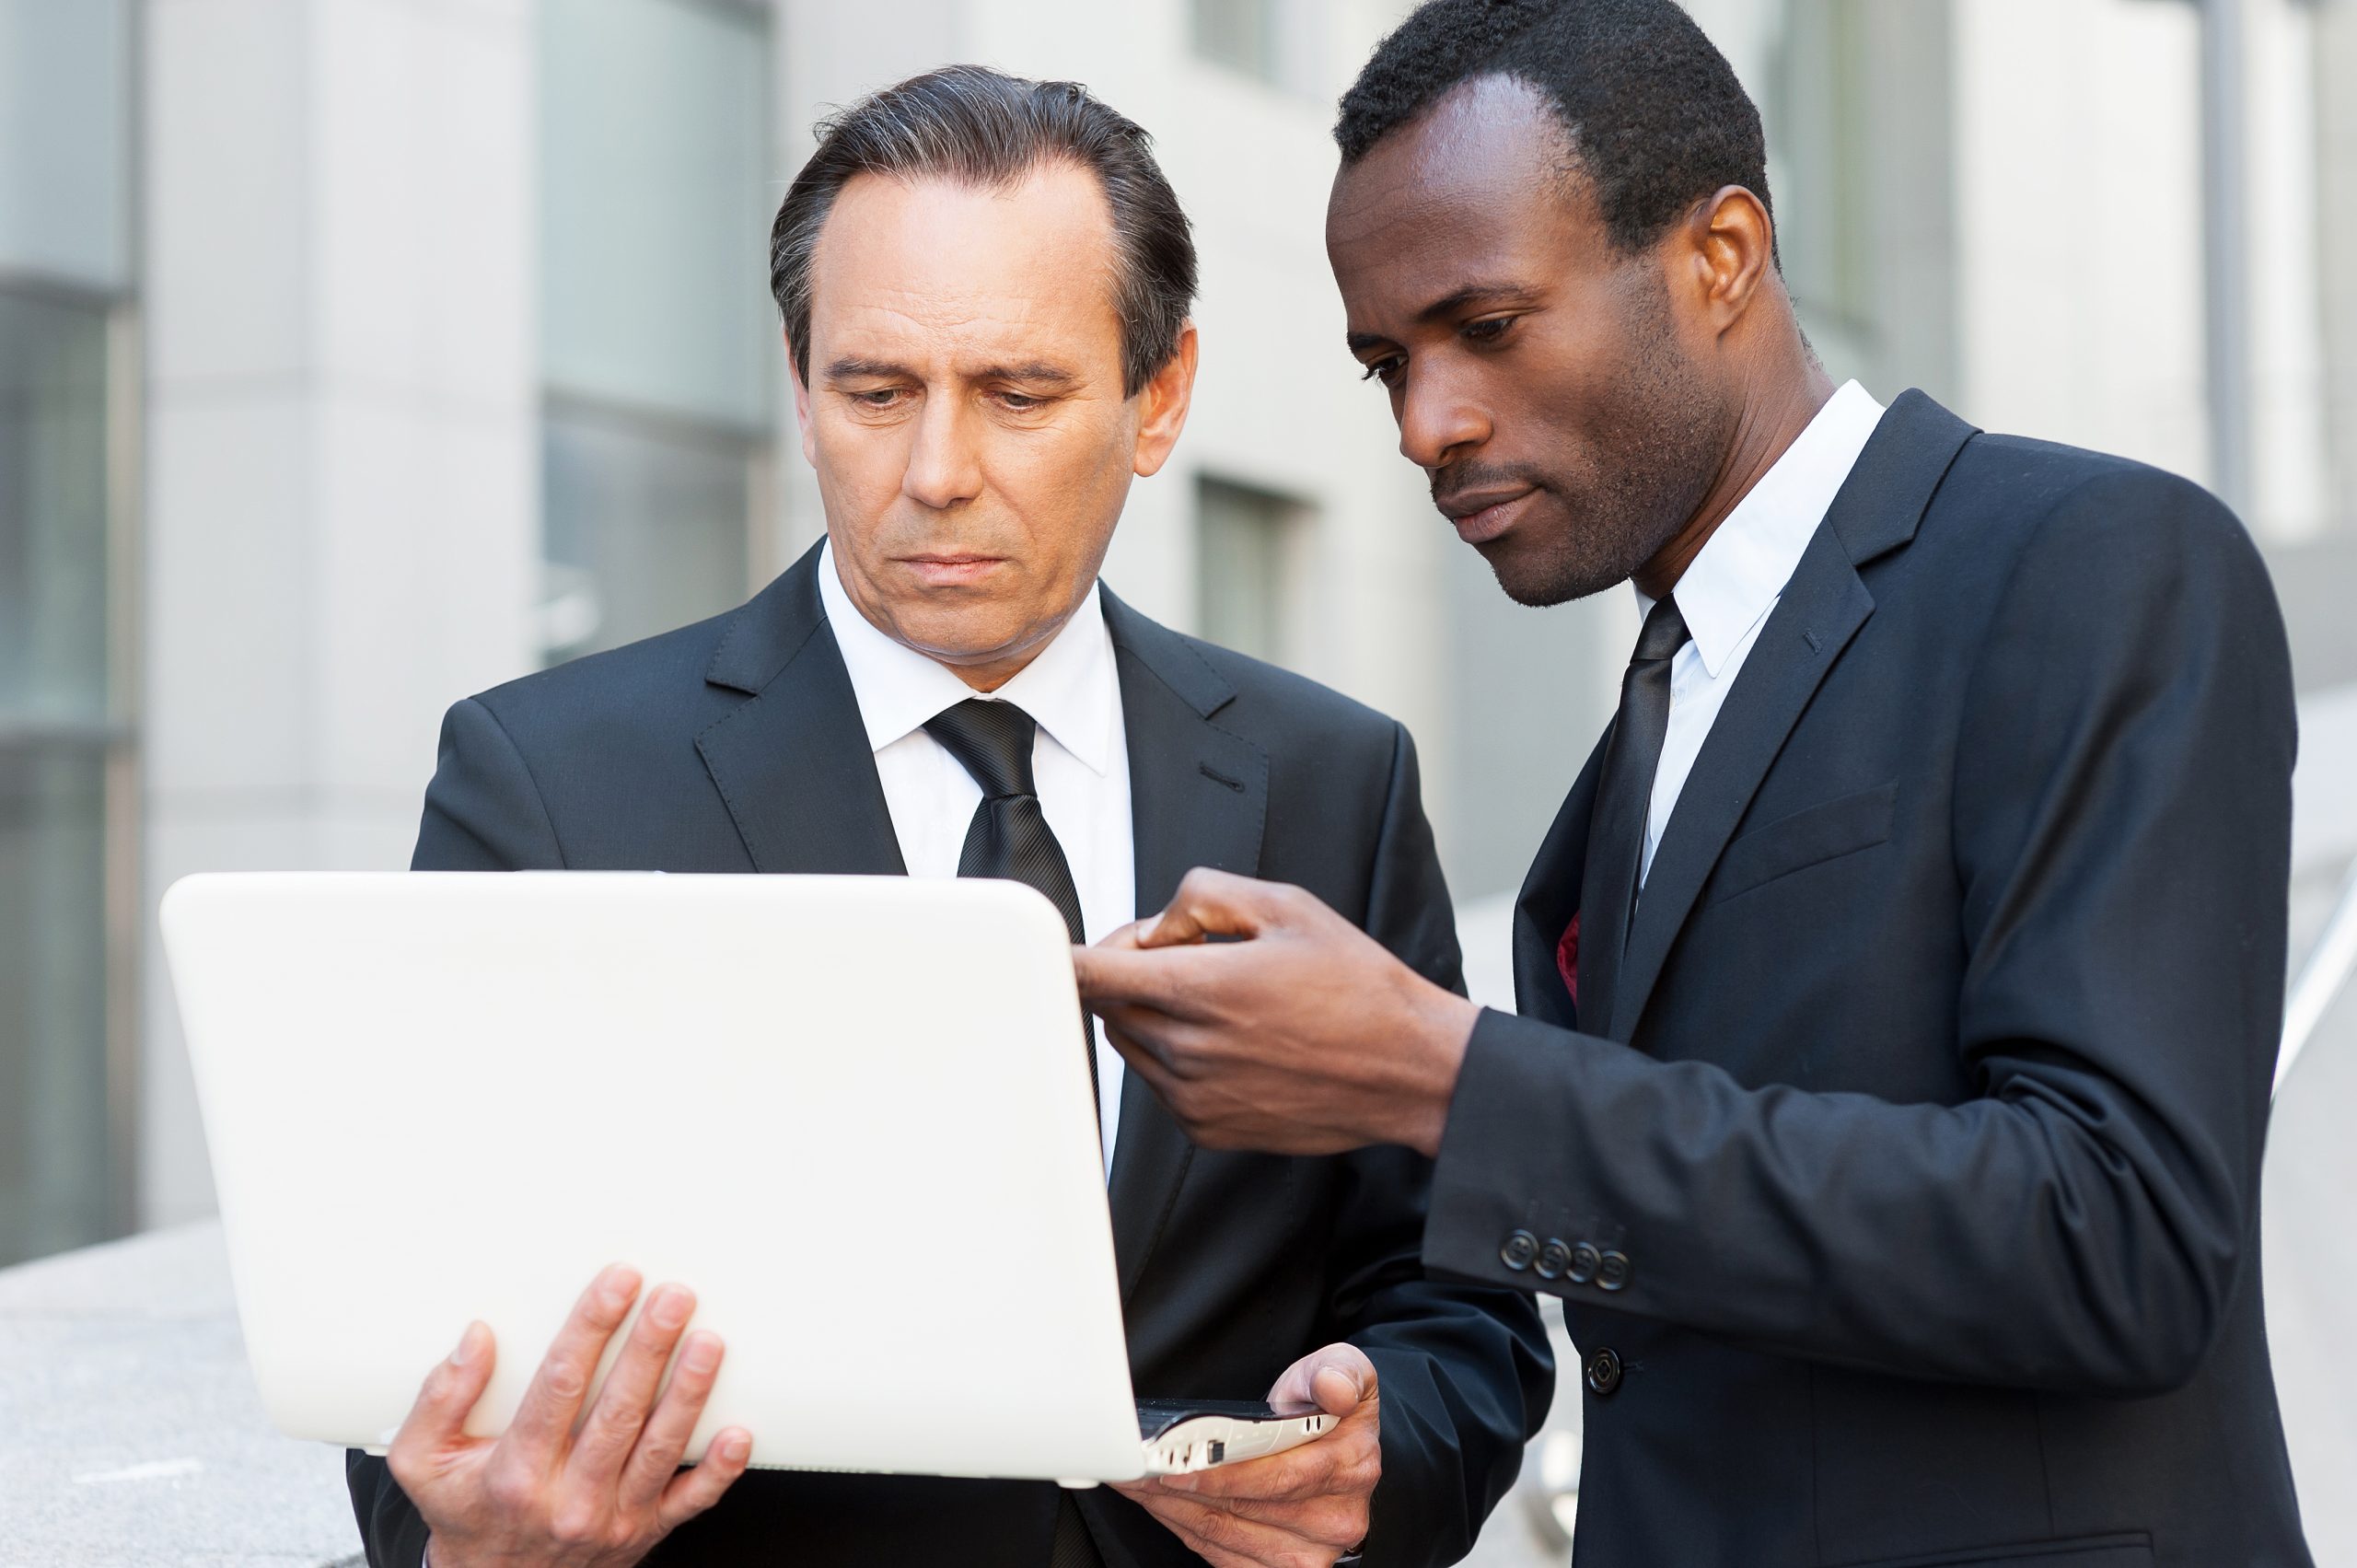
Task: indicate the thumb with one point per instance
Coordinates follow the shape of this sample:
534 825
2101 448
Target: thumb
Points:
450 1390
1337 1380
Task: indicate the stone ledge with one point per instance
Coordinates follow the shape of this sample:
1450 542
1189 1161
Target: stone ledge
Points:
133 1434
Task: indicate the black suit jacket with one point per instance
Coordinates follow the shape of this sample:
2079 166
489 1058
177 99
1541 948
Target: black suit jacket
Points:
736 746
1927 1115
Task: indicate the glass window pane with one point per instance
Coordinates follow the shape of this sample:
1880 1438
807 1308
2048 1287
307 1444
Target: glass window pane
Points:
65 82
655 206
1242 577
646 530
53 1150
52 513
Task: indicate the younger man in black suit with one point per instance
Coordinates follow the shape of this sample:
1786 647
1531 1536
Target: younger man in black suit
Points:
1899 984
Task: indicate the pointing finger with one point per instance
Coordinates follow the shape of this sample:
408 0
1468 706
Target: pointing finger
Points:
1111 975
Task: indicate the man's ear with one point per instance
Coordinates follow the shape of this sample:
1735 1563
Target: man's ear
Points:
1730 244
801 404
1162 403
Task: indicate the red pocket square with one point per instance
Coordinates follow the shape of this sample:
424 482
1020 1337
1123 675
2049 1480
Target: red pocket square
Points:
1567 960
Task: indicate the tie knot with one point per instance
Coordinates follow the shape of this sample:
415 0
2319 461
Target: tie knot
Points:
1664 635
992 741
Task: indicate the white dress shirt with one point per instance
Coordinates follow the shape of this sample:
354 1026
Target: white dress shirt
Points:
1080 763
1738 577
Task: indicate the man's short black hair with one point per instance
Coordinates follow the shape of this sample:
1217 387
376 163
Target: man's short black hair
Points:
1653 110
985 128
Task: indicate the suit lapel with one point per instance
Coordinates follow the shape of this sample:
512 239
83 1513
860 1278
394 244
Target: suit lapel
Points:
1550 896
793 763
1877 510
1199 796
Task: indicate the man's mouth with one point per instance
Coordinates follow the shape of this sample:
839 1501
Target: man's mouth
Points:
1481 516
951 569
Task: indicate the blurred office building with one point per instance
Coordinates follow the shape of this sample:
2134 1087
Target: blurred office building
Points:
357 354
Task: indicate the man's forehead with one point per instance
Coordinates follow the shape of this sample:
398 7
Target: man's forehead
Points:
998 267
1469 194
1488 133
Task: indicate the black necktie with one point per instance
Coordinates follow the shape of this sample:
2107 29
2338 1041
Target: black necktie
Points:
1010 836
1616 838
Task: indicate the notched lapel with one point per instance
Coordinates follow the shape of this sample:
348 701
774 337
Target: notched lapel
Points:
793 763
1822 609
1550 896
1879 510
1199 796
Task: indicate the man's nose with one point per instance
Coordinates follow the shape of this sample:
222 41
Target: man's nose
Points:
944 467
1439 423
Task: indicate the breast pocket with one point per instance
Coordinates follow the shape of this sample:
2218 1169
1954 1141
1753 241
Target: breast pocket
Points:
1805 838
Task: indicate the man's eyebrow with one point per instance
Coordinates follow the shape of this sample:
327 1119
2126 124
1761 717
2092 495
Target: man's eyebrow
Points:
1472 294
1036 373
1445 306
851 366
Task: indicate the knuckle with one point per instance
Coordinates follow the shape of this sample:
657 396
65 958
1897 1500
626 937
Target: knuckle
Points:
610 1424
1222 1529
511 1489
577 1523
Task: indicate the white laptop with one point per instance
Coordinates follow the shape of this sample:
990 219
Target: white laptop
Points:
851 1113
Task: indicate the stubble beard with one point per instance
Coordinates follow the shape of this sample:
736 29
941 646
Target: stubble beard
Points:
1657 447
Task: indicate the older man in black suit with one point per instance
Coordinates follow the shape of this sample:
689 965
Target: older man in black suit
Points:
986 286
1899 983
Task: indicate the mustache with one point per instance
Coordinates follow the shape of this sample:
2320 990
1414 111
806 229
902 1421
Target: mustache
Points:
1469 477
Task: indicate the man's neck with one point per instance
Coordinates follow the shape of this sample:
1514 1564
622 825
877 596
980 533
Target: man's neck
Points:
1772 419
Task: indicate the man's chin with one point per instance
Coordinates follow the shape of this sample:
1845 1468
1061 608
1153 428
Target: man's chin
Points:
1537 580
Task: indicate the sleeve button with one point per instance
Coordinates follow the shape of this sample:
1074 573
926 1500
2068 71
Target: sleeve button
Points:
1585 1259
1554 1259
1520 1248
1612 1271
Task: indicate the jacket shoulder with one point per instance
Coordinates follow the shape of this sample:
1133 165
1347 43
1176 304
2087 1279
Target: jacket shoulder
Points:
1289 713
2027 486
650 686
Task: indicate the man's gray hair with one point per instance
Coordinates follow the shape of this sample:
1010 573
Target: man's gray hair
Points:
984 128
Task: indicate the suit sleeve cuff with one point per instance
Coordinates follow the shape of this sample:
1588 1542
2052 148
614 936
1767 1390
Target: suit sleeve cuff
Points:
1498 1193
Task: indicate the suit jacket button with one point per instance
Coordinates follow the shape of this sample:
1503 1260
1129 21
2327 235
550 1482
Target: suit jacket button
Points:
1520 1248
1612 1271
1603 1371
1585 1259
1554 1259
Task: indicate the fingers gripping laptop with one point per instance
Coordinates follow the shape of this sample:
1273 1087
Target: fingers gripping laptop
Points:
875 1075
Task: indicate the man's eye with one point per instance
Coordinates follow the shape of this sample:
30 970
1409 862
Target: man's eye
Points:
1488 329
1020 403
883 396
1385 370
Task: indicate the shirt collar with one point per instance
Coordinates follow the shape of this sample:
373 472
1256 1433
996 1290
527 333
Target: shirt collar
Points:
1070 686
1742 568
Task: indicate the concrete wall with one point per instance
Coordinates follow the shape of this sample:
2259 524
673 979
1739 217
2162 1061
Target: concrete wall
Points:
342 429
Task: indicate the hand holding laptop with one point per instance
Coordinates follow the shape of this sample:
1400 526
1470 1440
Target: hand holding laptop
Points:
543 1493
1306 1503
